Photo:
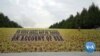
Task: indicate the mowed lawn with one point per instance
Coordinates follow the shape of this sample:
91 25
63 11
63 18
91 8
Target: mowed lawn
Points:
74 40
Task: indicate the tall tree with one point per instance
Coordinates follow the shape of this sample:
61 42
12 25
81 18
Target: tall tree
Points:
87 19
5 22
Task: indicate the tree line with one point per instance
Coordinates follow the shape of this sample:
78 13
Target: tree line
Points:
87 19
6 23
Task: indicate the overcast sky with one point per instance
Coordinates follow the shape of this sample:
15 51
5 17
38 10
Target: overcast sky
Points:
42 13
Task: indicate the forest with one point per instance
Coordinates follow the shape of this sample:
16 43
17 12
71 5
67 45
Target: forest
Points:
5 22
87 19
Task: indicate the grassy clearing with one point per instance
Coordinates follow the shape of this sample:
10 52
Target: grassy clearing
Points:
74 40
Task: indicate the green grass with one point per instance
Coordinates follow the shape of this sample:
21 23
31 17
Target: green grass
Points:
74 40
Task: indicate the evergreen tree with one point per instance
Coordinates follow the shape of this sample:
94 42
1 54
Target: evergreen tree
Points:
5 22
87 19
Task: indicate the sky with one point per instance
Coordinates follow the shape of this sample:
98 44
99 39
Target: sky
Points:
42 13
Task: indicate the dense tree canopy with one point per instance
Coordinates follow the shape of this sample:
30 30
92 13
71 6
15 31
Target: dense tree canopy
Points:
5 22
87 19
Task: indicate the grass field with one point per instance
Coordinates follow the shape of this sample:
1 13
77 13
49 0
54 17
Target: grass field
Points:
74 40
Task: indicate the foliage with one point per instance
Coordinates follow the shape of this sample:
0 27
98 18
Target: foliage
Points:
87 19
5 22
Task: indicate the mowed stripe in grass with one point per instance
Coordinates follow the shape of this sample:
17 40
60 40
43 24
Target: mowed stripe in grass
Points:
74 40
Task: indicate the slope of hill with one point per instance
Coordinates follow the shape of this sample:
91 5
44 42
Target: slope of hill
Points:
73 40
